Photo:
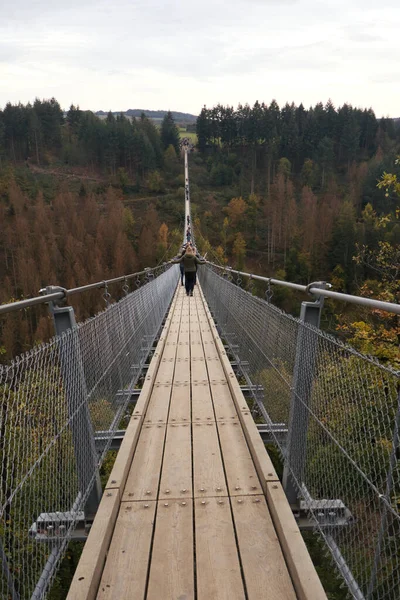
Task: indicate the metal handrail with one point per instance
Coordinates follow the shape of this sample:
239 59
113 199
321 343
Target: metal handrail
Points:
312 288
64 293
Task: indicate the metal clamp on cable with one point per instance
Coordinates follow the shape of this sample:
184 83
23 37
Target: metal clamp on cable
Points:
106 295
268 292
125 287
54 289
322 285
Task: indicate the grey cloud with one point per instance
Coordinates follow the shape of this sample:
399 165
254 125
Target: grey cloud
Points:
359 36
207 43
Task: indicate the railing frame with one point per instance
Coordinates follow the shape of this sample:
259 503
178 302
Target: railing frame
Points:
81 428
302 386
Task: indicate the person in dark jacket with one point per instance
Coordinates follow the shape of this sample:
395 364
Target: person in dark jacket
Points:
181 267
190 262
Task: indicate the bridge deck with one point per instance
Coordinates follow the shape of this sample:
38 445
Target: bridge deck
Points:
193 507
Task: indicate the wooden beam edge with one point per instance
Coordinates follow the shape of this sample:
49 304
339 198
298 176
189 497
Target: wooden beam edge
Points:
86 580
305 579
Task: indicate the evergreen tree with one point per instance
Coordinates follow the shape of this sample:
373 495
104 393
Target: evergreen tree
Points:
74 117
2 139
169 132
202 129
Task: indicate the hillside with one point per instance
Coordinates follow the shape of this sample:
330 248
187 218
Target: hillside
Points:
286 192
155 115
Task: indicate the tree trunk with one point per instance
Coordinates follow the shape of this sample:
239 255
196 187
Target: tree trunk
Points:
12 147
37 149
253 169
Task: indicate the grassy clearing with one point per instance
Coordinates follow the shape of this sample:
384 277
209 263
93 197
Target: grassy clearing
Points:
192 136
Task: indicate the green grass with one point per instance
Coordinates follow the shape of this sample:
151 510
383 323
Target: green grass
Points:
192 136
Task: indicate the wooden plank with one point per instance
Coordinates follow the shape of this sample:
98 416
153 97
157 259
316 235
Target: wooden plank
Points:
208 470
202 408
217 564
172 562
122 464
159 402
176 476
123 461
302 571
182 364
264 568
196 346
143 399
262 462
183 349
144 474
158 408
179 411
125 573
198 368
89 570
224 407
239 467
182 369
166 369
215 371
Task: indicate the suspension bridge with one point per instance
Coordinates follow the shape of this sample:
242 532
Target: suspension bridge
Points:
189 389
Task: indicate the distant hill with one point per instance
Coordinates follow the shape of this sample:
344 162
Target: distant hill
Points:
155 115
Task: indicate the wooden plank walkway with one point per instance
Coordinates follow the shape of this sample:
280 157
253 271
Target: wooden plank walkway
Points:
193 508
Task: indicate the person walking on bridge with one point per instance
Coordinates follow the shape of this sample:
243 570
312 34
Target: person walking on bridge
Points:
190 262
181 267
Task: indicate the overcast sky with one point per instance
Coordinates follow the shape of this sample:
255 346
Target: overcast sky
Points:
160 54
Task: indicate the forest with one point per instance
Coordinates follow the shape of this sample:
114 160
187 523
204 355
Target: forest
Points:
310 197
283 191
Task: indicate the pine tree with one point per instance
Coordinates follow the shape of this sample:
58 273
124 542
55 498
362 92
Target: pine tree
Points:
202 129
169 132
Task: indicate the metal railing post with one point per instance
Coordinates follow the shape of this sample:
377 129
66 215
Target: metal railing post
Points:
76 394
306 350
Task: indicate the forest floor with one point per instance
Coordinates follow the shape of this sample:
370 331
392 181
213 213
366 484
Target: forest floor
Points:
65 173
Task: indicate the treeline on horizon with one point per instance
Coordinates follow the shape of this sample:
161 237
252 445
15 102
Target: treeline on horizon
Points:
39 133
330 136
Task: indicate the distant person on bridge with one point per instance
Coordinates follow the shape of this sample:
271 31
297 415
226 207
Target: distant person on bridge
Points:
181 267
188 234
190 262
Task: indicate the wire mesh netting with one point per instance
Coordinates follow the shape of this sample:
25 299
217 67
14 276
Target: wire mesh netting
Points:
52 400
342 414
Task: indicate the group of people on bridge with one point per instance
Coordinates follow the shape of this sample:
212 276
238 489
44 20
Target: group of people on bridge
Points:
188 260
187 143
